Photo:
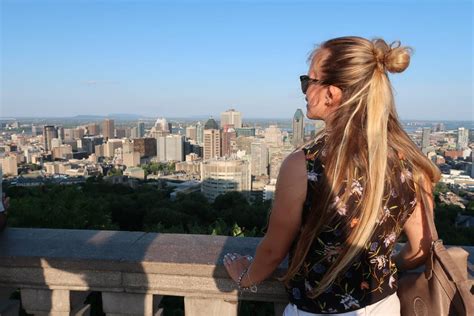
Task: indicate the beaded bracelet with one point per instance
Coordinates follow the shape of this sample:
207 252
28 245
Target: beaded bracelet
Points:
253 288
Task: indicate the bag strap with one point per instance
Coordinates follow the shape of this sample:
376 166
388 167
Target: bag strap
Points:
437 248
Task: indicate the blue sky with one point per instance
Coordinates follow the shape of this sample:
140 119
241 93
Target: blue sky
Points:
185 58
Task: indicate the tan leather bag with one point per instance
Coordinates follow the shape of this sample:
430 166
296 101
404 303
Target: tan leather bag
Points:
443 288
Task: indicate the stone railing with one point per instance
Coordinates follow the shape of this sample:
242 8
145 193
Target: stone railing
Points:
56 269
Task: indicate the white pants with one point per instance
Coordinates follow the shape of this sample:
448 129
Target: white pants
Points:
389 306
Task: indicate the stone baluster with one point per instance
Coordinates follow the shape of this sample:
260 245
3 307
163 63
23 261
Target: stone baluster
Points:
54 302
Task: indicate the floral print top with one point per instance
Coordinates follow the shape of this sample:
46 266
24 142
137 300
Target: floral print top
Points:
372 276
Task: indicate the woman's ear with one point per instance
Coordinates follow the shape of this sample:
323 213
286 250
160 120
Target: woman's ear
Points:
334 95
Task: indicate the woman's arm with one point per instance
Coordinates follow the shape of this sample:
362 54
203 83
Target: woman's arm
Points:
416 228
284 223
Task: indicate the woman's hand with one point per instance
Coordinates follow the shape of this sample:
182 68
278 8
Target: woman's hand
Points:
235 264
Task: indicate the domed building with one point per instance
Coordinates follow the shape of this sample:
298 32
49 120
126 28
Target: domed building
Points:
211 124
212 140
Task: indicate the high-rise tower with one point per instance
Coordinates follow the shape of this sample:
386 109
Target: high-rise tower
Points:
108 128
231 117
298 128
49 132
212 140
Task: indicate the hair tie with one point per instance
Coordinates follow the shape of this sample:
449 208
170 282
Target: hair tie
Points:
380 55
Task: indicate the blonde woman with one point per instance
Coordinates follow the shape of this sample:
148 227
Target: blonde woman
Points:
343 200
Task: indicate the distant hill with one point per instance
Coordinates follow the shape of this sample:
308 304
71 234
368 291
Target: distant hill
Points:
88 117
117 116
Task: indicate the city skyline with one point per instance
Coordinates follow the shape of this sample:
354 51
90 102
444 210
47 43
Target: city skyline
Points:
96 58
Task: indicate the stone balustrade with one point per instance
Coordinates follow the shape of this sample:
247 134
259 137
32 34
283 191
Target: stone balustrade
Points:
55 269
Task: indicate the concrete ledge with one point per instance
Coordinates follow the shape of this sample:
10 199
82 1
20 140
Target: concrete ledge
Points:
130 262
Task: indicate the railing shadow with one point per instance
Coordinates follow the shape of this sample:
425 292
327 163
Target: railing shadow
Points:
54 258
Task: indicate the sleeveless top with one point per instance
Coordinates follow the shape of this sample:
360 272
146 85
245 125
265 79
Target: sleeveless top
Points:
372 275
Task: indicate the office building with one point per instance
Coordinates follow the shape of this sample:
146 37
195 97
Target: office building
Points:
62 152
162 125
141 129
111 146
425 139
462 139
122 132
89 143
220 176
229 137
78 133
145 146
134 132
259 158
245 131
10 166
298 128
93 129
191 132
231 117
49 132
273 136
199 133
170 148
131 159
108 128
68 134
212 140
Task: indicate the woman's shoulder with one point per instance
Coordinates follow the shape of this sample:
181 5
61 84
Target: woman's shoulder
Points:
294 162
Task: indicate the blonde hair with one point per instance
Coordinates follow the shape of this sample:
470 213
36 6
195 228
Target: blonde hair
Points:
364 134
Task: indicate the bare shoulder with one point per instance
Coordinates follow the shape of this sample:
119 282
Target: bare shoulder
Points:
294 165
292 176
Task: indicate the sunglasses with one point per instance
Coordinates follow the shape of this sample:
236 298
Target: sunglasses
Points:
306 81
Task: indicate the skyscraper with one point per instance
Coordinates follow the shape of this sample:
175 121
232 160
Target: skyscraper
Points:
134 132
162 125
49 132
231 117
228 139
298 128
141 129
212 140
93 129
108 128
145 146
273 136
60 130
199 133
170 148
463 138
175 147
259 158
110 146
191 132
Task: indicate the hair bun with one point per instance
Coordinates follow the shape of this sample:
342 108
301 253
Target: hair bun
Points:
394 57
